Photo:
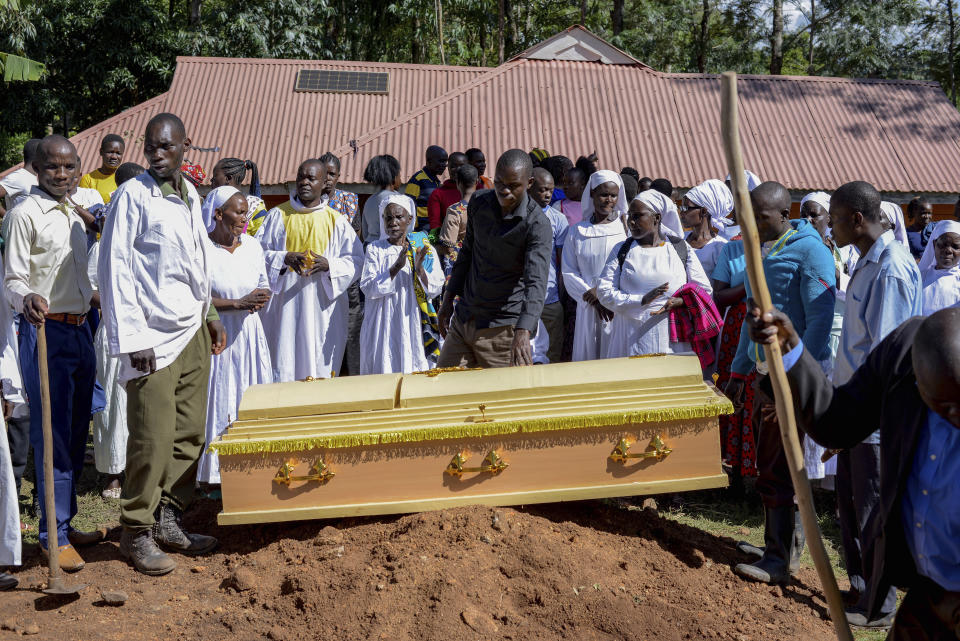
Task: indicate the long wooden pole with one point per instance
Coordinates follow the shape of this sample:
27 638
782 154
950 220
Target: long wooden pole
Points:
55 580
778 375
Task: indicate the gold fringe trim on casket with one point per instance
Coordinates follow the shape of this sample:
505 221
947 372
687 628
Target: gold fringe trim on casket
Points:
494 427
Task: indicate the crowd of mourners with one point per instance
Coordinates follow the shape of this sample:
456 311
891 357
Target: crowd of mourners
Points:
159 307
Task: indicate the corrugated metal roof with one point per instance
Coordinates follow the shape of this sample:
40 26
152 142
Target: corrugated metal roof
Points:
806 132
248 108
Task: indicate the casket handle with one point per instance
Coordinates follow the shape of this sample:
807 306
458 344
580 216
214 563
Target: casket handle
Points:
493 463
655 449
319 471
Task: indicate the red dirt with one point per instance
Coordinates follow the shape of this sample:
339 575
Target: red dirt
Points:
586 570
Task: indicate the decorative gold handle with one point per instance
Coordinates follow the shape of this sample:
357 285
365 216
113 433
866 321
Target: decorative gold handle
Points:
655 449
320 472
493 463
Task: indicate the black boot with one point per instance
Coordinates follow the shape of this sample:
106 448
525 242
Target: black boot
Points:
799 540
139 547
773 566
169 534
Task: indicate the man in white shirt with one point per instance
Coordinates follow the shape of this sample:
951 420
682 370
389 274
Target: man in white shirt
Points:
155 297
16 185
46 282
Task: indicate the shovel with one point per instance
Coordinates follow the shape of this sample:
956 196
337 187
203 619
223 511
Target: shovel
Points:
55 584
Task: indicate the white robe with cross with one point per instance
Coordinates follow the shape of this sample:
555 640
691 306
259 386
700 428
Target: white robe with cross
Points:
306 319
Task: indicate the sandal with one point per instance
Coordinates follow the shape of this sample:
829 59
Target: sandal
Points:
111 493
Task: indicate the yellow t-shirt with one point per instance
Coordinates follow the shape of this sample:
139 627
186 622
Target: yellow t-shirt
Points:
103 183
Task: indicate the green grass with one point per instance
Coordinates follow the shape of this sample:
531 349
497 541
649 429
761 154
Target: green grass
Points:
92 509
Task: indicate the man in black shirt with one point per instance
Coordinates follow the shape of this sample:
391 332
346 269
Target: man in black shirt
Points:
500 274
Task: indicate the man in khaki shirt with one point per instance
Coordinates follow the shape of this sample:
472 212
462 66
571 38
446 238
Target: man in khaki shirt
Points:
46 283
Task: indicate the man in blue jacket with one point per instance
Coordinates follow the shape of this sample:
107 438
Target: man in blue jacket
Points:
801 276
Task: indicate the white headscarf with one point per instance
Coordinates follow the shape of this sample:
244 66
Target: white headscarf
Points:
669 218
929 259
404 201
941 287
822 198
753 180
716 198
214 201
894 215
598 178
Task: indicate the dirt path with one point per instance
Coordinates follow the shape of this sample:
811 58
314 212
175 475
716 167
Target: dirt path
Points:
586 570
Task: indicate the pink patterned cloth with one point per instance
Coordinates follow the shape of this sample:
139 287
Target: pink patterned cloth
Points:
698 322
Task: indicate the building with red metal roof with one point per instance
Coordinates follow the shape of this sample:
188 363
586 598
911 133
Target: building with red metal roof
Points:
572 94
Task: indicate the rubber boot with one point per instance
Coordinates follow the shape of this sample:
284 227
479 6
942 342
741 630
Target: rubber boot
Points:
774 565
139 547
168 533
799 541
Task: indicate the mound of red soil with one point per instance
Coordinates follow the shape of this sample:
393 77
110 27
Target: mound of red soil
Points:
587 570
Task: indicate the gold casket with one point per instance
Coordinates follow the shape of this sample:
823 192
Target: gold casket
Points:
396 443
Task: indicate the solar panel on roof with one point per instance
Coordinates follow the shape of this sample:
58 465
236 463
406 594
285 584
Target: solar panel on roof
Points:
331 81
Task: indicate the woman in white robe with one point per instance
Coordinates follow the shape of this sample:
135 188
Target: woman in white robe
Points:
585 252
109 425
312 257
940 267
10 548
239 288
893 215
391 336
704 208
640 292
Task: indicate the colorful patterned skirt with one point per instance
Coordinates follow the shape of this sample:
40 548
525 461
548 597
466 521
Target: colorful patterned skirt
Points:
737 441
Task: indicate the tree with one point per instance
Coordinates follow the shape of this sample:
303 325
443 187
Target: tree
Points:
776 39
616 17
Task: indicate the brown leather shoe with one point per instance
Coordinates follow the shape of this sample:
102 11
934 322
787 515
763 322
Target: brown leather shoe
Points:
81 539
70 559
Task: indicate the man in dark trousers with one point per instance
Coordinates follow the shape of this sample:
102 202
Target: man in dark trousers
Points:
500 274
909 386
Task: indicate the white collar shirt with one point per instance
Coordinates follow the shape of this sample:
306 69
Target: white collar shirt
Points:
152 272
46 254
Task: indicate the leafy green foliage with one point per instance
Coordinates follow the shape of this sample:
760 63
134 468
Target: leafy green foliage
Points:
103 56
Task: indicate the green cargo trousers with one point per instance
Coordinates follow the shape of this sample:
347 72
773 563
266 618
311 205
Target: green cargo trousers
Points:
166 418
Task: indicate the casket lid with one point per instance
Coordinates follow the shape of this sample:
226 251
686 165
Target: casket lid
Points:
367 410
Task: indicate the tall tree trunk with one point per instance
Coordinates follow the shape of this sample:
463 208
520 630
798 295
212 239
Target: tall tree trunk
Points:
415 42
951 50
509 27
443 58
500 31
813 33
483 43
702 40
195 14
776 39
616 17
583 12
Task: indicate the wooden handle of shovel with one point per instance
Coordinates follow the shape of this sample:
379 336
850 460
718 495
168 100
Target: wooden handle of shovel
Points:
53 547
778 375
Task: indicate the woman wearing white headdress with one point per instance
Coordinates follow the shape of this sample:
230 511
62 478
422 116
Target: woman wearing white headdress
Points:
728 227
639 288
239 288
395 278
313 255
703 213
893 215
717 201
585 253
940 267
